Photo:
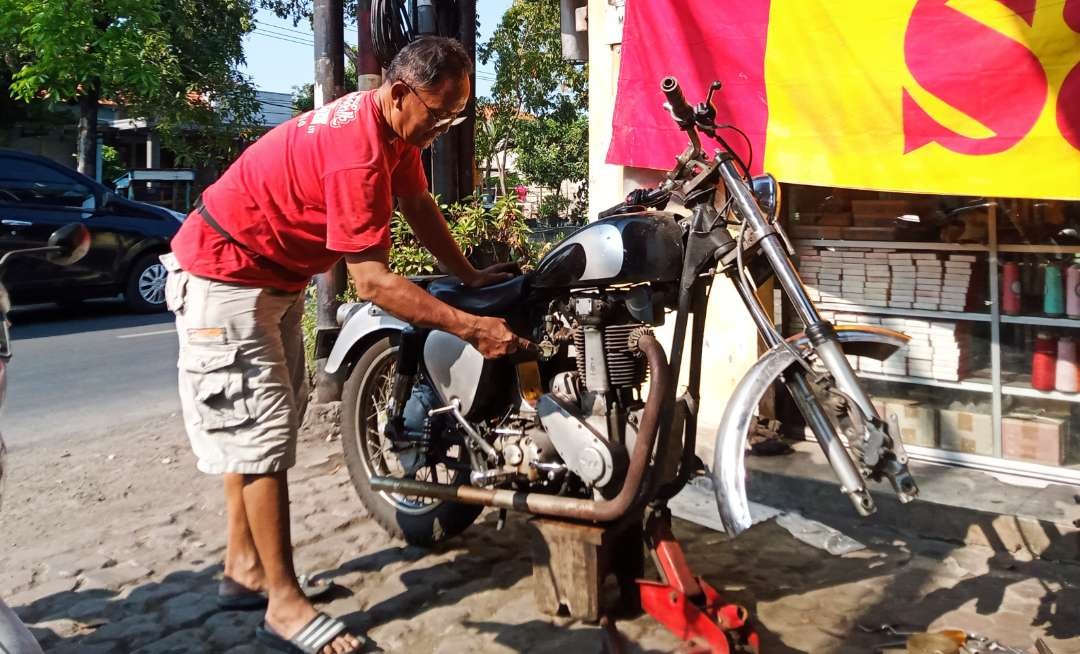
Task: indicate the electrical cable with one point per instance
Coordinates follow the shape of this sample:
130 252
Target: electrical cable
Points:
391 29
295 37
749 145
283 39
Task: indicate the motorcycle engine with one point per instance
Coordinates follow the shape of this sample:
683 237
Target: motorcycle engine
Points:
590 412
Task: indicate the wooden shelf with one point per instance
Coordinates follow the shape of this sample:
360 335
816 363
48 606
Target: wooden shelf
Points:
893 245
906 313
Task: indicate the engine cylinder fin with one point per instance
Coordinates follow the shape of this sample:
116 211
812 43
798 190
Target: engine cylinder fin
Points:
624 369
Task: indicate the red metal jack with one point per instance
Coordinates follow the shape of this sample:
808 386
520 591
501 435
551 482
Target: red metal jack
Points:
687 605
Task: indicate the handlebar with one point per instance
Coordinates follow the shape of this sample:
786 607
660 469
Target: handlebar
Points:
682 111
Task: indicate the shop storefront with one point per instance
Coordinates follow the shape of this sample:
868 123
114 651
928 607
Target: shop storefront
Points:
987 290
931 160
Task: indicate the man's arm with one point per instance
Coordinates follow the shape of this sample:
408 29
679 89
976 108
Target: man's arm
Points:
407 301
430 227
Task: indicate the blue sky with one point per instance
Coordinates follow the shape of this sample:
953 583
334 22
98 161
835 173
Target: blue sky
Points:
281 55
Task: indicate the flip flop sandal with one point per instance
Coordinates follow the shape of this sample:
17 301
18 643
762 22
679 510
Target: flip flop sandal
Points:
256 599
311 638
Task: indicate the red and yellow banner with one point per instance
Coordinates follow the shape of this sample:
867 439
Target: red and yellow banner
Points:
967 97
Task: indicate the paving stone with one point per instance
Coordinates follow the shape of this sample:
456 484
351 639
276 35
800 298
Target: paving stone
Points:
89 609
178 642
115 577
15 580
115 630
82 647
467 642
50 631
29 603
151 595
230 629
64 567
187 609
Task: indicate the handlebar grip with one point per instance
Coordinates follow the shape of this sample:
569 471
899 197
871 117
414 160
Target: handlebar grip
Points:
679 107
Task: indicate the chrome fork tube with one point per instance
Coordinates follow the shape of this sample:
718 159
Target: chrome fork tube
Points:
771 245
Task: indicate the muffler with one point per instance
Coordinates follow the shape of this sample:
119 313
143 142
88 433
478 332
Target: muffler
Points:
604 510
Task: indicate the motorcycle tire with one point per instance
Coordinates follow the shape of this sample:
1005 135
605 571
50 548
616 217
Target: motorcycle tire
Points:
424 524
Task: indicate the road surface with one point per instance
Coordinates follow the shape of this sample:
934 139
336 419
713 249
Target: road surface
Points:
79 372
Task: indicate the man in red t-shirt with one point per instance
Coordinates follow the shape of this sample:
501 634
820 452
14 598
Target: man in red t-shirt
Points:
311 191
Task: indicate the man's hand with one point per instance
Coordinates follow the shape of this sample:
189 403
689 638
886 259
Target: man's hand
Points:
494 339
496 274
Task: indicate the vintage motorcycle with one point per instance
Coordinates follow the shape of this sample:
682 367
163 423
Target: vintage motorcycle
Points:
66 246
433 432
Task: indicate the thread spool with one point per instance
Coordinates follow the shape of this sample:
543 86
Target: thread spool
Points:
1072 290
1044 363
1054 294
1065 379
1012 289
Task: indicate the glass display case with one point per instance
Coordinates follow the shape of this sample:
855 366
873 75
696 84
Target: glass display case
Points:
989 292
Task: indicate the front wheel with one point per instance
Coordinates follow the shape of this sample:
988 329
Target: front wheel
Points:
417 520
145 288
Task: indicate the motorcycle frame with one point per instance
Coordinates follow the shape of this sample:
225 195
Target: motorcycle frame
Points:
762 238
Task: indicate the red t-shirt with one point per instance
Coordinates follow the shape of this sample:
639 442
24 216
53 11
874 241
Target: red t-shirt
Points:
311 189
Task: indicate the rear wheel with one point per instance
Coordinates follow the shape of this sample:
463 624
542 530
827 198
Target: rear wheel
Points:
145 289
368 453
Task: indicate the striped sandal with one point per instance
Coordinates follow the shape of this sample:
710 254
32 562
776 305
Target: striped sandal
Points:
311 639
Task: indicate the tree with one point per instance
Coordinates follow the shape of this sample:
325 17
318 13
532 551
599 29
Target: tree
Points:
174 61
538 100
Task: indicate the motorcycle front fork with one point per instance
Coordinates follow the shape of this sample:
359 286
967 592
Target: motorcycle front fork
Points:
880 456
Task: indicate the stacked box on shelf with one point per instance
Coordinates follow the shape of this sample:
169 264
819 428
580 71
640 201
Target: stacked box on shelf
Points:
938 349
897 364
901 280
966 428
1034 437
956 282
928 273
884 277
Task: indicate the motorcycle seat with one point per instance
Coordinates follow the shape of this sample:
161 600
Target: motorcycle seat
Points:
495 300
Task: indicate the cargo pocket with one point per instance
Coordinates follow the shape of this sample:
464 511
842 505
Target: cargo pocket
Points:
175 283
216 382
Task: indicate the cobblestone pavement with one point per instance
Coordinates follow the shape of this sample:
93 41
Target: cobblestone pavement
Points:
114 545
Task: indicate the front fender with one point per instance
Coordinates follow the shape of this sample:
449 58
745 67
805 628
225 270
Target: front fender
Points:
729 465
362 320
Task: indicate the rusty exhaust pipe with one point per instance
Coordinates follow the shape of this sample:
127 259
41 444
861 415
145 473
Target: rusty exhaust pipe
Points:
566 507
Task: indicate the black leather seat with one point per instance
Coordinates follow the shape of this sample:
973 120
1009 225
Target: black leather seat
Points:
496 300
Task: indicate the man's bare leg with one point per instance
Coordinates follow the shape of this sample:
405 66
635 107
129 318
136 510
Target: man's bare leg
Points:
266 503
243 570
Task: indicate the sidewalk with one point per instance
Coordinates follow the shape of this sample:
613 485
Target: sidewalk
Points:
113 545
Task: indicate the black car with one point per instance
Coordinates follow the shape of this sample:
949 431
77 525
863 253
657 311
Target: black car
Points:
38 195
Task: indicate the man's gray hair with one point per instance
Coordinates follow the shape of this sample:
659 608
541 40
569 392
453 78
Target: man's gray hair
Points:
429 60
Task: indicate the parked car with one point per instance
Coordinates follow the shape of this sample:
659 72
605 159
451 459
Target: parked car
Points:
38 195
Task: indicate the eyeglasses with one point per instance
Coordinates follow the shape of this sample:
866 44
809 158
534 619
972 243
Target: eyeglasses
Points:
452 119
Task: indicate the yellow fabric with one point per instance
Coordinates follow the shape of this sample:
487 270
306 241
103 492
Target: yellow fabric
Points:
835 75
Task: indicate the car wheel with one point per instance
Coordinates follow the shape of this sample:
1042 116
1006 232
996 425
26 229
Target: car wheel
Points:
145 290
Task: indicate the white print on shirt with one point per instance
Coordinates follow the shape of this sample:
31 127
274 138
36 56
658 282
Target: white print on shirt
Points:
318 117
346 110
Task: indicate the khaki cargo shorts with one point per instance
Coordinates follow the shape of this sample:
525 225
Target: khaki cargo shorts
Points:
243 384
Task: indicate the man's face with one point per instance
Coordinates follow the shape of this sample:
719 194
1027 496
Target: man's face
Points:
424 114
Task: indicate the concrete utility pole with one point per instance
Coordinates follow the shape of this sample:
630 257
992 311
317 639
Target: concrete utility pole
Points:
368 71
329 24
452 155
466 131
